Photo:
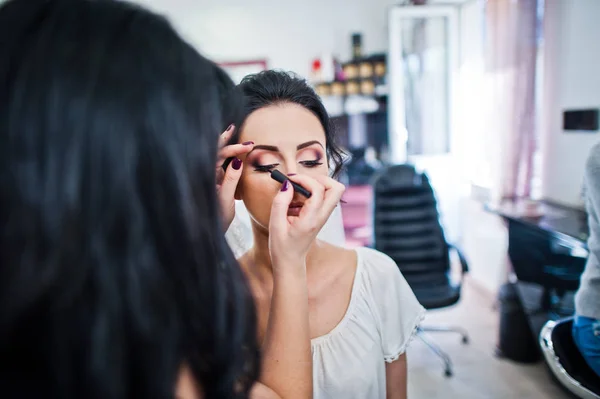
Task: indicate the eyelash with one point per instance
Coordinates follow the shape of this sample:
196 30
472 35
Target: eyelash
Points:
269 168
265 168
311 164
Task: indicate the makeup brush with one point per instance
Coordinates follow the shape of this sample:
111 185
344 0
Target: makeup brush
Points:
226 163
280 177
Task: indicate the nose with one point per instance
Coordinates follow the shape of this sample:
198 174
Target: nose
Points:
292 170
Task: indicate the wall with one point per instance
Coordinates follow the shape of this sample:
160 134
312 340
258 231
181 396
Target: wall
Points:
288 34
571 80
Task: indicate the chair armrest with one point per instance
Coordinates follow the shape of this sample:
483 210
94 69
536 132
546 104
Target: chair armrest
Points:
463 261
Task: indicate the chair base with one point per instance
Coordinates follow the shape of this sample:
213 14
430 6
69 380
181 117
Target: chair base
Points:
421 333
457 330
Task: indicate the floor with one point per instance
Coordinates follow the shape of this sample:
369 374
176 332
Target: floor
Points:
477 372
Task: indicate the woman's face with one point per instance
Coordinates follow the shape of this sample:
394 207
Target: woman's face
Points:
287 137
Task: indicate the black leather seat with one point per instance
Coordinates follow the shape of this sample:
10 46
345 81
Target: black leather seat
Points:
565 362
406 227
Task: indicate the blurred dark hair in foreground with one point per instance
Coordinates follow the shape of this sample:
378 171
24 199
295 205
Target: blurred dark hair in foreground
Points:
113 269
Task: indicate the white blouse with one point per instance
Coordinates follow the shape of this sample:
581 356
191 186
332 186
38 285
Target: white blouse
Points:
381 319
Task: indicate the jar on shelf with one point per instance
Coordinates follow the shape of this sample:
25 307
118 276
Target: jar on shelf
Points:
323 89
352 87
367 87
365 69
338 89
350 70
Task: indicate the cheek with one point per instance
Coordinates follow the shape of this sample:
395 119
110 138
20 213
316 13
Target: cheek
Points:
257 192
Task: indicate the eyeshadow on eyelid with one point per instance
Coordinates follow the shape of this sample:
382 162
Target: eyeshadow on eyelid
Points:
262 159
314 153
317 154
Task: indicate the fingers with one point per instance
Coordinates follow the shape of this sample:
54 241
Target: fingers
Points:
326 195
317 190
333 194
233 151
226 135
219 174
310 219
279 209
312 185
230 181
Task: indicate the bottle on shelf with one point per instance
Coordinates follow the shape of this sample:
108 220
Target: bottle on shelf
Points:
356 46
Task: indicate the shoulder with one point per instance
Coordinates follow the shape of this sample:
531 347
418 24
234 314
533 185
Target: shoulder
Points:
592 170
383 279
377 265
593 160
341 261
381 275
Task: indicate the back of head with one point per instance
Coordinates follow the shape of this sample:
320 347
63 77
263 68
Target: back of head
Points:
113 269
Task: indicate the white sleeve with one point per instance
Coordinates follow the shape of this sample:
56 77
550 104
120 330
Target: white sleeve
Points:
239 235
398 312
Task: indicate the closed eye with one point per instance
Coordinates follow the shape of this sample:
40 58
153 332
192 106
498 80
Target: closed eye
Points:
311 164
265 168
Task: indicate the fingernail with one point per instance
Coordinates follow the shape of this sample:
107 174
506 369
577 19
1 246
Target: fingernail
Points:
292 174
285 185
248 143
229 128
237 163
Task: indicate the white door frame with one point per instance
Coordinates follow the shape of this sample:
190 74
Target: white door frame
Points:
397 133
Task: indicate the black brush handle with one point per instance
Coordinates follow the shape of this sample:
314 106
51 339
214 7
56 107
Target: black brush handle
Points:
226 163
280 177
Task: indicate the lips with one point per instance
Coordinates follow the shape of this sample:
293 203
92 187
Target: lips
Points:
295 208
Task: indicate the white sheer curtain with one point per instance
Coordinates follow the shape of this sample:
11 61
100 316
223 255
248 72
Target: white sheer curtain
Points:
511 56
240 238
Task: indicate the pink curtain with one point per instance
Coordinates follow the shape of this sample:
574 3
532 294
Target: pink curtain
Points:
511 55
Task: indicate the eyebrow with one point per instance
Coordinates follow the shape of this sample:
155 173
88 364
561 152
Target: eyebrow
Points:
273 148
308 144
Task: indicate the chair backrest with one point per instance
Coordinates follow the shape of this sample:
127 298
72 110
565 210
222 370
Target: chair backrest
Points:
406 225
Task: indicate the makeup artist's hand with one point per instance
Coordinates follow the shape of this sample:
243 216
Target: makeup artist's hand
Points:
227 181
291 237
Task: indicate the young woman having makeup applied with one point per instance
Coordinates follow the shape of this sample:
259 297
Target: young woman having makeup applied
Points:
356 314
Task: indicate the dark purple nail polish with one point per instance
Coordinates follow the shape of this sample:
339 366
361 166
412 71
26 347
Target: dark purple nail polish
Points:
292 174
229 128
248 143
237 163
285 185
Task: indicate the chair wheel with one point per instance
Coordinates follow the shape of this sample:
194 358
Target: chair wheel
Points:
465 340
448 373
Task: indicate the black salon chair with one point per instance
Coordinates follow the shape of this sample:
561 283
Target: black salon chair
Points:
565 362
406 227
